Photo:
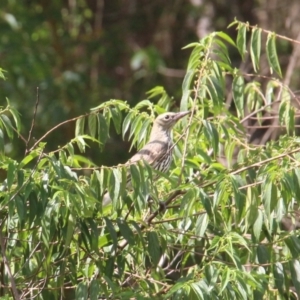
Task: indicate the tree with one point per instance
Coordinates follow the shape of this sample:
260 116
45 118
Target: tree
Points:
209 229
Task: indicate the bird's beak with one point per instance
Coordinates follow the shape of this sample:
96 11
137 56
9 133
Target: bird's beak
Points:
181 114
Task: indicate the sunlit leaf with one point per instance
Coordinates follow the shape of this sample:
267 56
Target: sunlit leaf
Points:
270 197
257 226
127 123
212 135
226 37
82 291
117 118
186 87
295 272
7 125
238 86
272 54
79 128
103 133
92 123
255 47
201 225
241 39
279 277
16 117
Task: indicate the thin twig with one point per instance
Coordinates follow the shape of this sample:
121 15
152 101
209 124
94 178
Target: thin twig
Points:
57 126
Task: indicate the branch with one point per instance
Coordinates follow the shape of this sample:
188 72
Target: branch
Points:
55 127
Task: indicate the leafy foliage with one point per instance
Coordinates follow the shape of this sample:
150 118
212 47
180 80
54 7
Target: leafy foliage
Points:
209 229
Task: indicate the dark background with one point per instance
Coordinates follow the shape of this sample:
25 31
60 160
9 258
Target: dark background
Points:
84 52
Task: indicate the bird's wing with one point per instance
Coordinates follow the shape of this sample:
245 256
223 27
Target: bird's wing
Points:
150 153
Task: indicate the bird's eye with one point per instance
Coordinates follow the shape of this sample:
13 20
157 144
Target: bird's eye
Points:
167 117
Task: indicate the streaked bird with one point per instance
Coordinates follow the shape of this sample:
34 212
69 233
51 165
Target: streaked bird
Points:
158 151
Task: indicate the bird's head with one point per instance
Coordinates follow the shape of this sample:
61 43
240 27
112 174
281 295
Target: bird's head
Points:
169 119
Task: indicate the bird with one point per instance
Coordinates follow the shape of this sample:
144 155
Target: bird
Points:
158 150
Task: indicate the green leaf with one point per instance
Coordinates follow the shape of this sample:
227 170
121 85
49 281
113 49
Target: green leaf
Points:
92 122
191 45
79 127
136 129
104 178
70 149
2 74
21 207
7 125
117 174
207 203
127 123
95 289
81 143
252 207
153 247
226 37
126 231
196 288
211 90
186 89
1 141
140 234
225 279
269 197
212 135
11 174
270 94
222 52
257 226
215 92
263 255
113 234
82 291
32 155
283 108
241 39
16 117
70 230
82 159
279 277
242 287
143 103
135 179
156 91
293 244
124 179
272 54
143 131
290 121
117 118
238 87
229 152
135 126
255 47
201 225
295 272
296 180
103 133
20 178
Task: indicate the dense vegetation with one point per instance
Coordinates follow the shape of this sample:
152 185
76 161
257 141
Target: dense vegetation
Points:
222 223
209 229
